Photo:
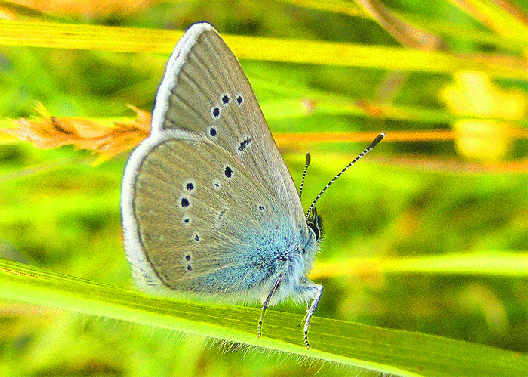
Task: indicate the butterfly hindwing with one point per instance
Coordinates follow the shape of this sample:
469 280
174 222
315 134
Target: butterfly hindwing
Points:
213 234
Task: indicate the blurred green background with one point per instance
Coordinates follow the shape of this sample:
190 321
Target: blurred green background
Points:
406 199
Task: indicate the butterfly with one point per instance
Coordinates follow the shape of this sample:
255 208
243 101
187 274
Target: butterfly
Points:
208 204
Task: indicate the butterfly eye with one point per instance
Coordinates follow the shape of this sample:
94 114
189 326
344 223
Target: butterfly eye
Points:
225 99
315 223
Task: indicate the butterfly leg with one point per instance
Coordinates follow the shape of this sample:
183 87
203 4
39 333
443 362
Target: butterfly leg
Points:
304 318
266 303
317 291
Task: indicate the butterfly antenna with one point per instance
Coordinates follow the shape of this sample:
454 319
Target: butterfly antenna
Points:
306 164
367 150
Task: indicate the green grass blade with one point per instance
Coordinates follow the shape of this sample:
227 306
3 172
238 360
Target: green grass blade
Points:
91 37
388 351
497 263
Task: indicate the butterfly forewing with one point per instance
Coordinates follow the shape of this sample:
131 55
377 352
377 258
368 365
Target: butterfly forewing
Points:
210 95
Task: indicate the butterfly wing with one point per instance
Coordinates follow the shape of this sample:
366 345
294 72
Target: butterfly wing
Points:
208 203
205 91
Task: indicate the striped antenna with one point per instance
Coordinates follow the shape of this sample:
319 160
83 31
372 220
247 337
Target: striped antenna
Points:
367 150
306 164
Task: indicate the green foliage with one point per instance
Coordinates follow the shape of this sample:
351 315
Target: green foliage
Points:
451 233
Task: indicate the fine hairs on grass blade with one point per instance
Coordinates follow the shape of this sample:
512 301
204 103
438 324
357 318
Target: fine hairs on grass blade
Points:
345 343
